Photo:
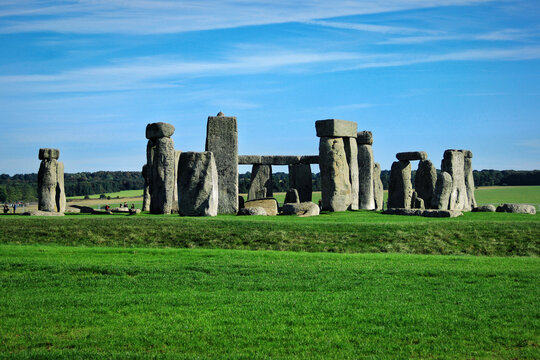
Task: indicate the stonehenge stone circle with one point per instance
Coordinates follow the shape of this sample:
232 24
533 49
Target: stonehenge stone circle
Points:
443 189
197 184
51 193
335 178
453 163
378 190
300 179
222 140
425 180
517 208
400 187
261 185
292 197
270 205
469 179
411 156
366 196
351 152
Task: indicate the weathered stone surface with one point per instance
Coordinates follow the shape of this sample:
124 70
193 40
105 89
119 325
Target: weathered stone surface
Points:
335 175
425 213
378 190
222 140
300 179
443 188
405 212
162 183
47 181
254 211
469 179
249 159
411 155
366 195
517 208
177 154
241 201
336 128
48 154
425 180
146 194
484 208
277 159
42 213
261 185
303 209
60 191
159 130
454 164
416 201
400 186
292 197
270 205
197 184
351 151
364 138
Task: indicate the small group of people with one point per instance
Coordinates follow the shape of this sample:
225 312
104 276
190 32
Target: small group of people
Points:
14 206
125 205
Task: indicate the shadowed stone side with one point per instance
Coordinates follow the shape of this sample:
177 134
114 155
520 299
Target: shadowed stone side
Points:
60 191
162 181
335 178
378 190
261 182
146 193
351 151
469 179
177 154
47 180
300 179
366 197
443 188
425 180
48 154
222 140
417 202
400 187
453 163
484 208
291 197
197 184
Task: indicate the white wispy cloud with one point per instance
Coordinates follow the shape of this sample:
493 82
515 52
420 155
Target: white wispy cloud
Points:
384 29
515 35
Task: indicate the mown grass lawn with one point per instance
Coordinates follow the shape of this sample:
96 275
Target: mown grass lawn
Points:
80 302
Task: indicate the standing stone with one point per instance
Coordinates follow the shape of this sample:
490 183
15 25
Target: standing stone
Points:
60 191
417 202
300 179
453 163
47 179
425 180
443 189
222 140
400 187
366 196
146 193
197 184
177 154
469 179
291 197
335 178
378 190
162 177
261 182
351 151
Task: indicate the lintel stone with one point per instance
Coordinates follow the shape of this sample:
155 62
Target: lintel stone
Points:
412 155
336 128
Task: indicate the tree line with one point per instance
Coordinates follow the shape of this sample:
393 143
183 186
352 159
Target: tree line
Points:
23 187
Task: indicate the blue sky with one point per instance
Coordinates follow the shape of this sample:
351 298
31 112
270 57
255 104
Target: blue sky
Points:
87 76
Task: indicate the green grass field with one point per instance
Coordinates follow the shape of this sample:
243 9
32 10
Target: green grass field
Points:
121 194
184 303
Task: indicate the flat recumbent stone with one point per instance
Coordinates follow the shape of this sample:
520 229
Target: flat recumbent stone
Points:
159 130
412 155
336 128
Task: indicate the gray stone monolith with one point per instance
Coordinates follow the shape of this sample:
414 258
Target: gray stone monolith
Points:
517 208
378 190
162 180
425 180
261 182
469 179
270 205
177 154
454 164
222 140
400 186
197 184
47 179
60 190
300 179
303 209
417 202
335 176
443 189
412 155
351 151
366 196
146 193
292 197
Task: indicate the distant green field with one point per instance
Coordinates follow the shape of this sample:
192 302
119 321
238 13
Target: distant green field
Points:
66 302
508 194
122 194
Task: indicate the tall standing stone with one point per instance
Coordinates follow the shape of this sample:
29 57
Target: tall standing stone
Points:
160 151
351 151
443 189
222 140
469 179
175 192
366 196
454 164
60 191
300 179
378 190
51 194
146 193
425 180
261 185
335 180
400 187
198 192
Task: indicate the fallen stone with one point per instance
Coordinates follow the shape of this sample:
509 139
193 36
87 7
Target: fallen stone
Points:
517 208
364 138
303 209
336 128
425 181
72 210
42 213
402 211
270 205
443 188
82 209
366 196
261 184
378 190
484 208
335 179
197 184
453 163
48 154
253 211
411 155
425 213
400 186
159 130
300 179
292 197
